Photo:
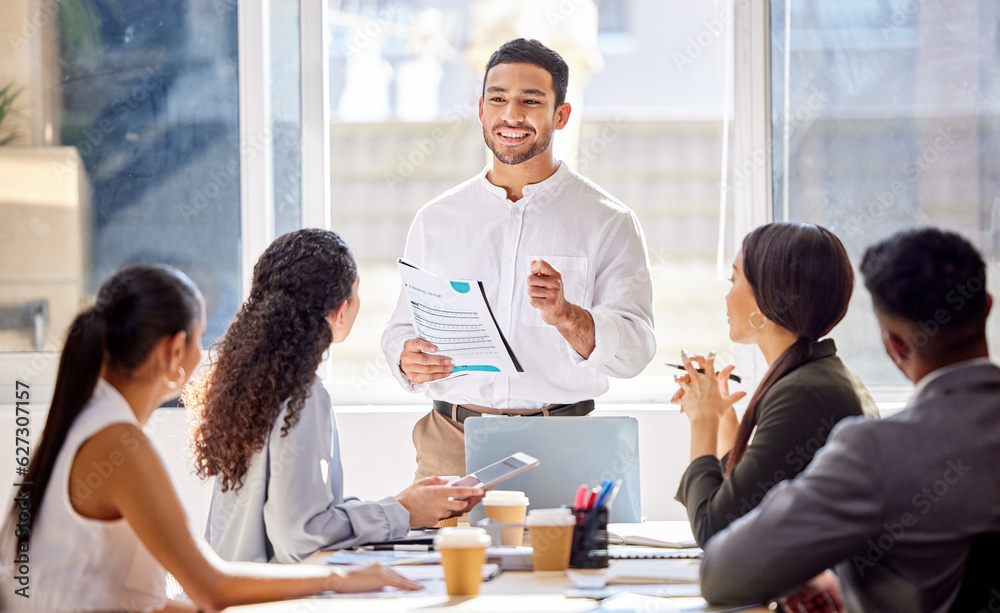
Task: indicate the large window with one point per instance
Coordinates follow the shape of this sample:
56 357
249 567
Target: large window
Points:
136 104
134 133
649 87
137 125
885 116
147 132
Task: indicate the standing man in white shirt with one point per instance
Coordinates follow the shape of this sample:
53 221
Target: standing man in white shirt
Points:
564 265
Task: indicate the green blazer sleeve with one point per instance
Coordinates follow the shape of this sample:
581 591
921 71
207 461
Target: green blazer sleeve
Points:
794 420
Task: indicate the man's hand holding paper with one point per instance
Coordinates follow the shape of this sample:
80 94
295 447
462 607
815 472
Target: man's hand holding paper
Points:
419 363
453 317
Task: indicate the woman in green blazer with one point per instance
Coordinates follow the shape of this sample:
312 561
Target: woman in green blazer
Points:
791 285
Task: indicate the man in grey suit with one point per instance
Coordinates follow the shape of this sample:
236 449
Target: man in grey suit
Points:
891 504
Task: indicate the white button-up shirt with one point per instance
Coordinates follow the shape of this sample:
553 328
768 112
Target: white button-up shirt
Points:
474 232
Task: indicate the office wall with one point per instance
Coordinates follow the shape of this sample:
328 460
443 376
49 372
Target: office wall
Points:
378 453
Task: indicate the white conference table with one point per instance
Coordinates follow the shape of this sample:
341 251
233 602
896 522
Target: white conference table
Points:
510 592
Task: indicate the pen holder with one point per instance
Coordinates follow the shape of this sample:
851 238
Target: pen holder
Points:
590 539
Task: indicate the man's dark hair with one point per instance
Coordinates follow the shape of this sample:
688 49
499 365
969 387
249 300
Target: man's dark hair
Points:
932 278
530 51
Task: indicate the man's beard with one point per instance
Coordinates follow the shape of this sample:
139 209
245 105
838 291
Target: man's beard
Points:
513 159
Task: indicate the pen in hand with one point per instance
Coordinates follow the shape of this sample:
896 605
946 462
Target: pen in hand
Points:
702 371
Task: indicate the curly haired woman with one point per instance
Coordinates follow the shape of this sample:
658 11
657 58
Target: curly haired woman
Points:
263 424
96 509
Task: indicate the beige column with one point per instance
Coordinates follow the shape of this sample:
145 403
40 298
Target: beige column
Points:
29 59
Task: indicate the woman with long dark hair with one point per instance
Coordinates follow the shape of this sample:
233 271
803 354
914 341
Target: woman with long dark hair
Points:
263 424
791 285
103 524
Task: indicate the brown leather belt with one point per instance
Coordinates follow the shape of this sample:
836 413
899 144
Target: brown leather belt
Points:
461 412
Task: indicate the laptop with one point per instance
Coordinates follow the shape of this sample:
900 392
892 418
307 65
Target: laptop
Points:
570 451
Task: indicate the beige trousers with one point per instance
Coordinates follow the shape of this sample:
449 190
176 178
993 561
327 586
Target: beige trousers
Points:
440 440
440 444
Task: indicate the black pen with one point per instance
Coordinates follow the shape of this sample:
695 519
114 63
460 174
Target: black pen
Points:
732 377
400 547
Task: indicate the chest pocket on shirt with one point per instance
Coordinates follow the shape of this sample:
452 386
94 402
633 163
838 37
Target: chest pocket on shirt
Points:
576 286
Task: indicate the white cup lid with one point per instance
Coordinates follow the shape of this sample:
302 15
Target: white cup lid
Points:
550 517
505 498
462 537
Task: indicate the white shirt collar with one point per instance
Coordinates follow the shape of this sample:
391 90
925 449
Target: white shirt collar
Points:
945 370
529 191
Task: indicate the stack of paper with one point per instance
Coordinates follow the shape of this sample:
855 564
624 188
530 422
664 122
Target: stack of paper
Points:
436 573
638 602
628 572
385 558
672 535
624 552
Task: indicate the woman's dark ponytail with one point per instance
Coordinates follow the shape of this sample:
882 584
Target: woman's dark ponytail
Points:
802 281
134 309
76 378
798 354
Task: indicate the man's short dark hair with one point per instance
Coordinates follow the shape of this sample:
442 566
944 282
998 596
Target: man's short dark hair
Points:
530 51
928 276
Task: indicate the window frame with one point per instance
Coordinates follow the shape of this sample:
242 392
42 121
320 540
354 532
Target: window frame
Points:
755 203
39 368
257 172
751 147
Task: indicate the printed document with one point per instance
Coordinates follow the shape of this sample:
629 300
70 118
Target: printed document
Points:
455 316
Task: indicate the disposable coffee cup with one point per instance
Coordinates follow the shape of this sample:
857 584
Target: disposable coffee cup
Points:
449 522
463 551
551 532
507 507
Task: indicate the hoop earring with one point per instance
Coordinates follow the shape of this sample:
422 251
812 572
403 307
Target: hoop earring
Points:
761 326
175 384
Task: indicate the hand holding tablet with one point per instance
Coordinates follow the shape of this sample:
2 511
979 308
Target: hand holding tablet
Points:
493 474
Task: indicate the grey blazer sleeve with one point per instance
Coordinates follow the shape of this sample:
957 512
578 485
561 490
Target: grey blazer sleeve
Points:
803 526
305 510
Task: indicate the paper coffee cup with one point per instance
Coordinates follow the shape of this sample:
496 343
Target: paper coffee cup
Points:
463 551
449 522
551 532
507 507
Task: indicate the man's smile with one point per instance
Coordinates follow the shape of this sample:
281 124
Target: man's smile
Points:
512 136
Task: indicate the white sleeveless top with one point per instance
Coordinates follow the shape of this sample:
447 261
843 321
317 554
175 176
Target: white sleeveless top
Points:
81 564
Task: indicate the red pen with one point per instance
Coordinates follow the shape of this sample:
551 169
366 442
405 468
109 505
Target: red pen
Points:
581 497
593 498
